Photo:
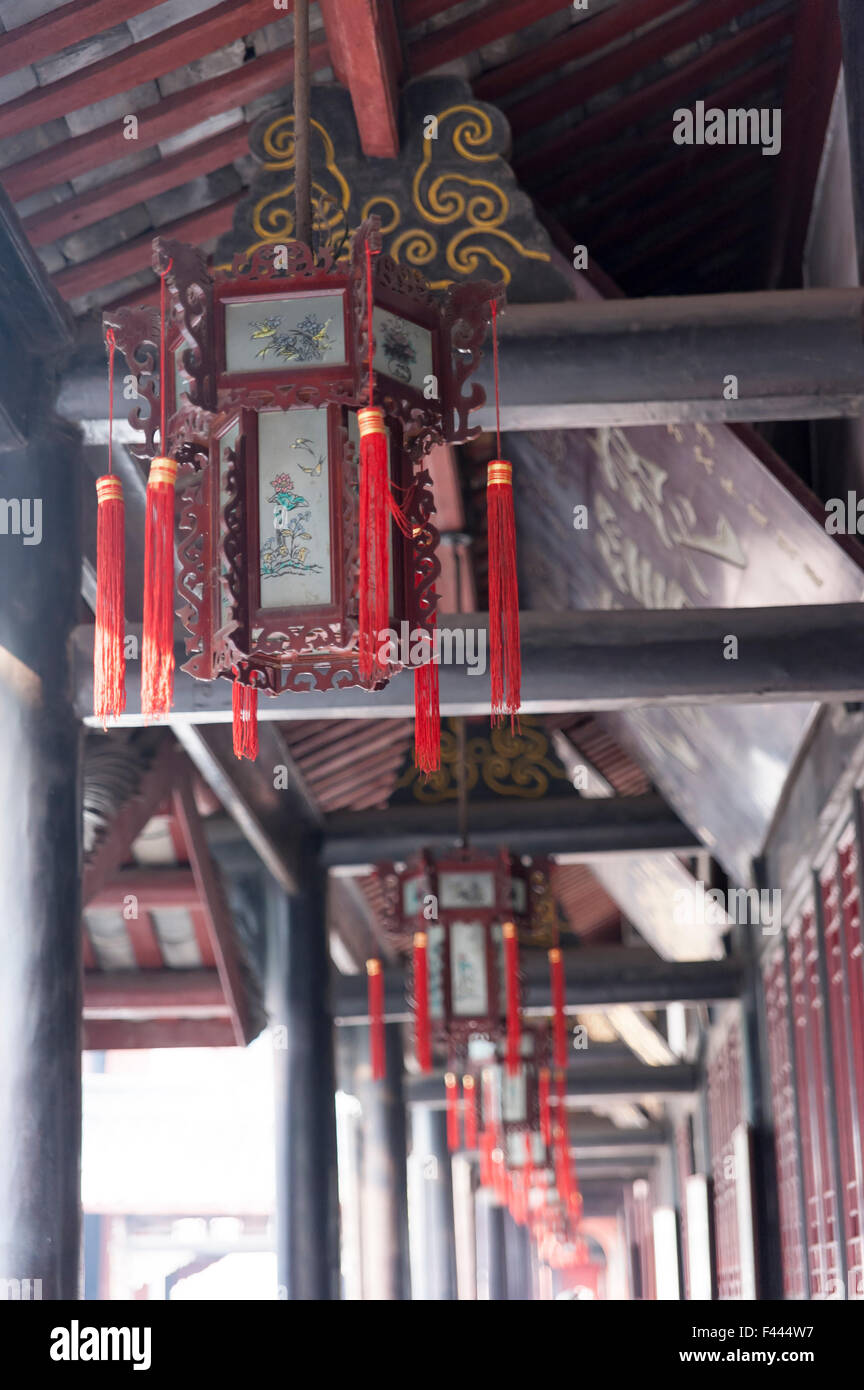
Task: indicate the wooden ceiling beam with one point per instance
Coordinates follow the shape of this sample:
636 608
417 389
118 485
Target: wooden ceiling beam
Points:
584 661
142 62
367 59
72 23
135 255
814 68
542 165
154 989
168 118
153 888
62 219
583 40
466 35
115 1034
577 88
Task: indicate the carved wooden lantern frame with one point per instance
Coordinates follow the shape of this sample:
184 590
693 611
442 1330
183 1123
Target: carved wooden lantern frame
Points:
461 904
510 1102
280 332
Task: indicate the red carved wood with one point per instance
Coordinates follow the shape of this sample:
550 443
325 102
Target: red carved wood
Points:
126 260
366 58
142 62
71 23
95 204
172 116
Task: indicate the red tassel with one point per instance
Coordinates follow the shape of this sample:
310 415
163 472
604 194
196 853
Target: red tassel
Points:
562 1147
514 1021
375 982
505 660
157 654
469 1094
244 709
427 719
451 1087
487 1144
545 1109
529 1175
556 968
109 658
375 512
421 1003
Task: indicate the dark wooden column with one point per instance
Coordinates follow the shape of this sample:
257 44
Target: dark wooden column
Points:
433 1244
852 26
384 1174
517 1248
491 1248
40 919
298 971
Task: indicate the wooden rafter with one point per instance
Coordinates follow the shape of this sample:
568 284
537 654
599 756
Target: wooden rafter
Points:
466 35
219 921
607 163
627 62
364 45
62 219
168 118
543 165
142 62
416 12
697 200
115 846
580 41
114 265
72 23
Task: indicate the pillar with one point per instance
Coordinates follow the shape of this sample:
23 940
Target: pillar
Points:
517 1251
40 862
298 979
433 1247
490 1218
384 1173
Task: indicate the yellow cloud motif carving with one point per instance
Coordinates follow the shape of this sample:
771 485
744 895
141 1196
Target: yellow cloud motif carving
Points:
475 208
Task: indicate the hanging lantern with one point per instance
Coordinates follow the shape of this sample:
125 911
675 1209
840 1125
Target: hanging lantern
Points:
455 916
267 388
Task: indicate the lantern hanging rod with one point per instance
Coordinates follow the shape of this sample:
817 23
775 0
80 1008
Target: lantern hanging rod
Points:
302 167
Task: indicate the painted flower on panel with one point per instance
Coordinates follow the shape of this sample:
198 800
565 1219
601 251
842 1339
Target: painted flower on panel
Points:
308 341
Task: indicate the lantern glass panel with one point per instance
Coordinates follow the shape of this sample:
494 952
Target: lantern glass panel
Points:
466 890
412 895
468 982
294 508
403 351
285 333
514 1097
435 966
